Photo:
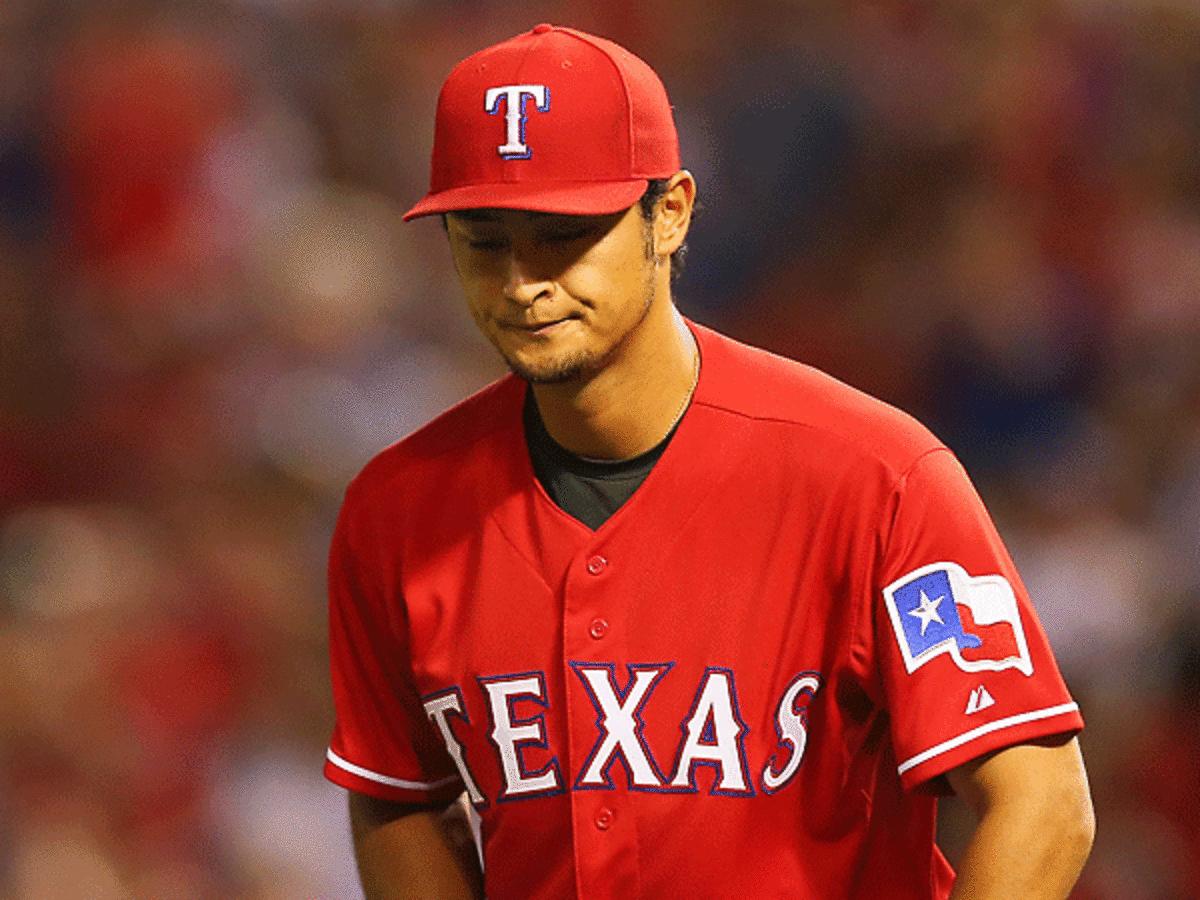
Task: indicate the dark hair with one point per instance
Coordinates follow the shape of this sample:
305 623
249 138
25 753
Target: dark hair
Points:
655 191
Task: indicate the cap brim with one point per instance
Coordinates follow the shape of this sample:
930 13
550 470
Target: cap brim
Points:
565 198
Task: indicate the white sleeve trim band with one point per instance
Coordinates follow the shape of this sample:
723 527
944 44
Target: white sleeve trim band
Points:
969 736
386 779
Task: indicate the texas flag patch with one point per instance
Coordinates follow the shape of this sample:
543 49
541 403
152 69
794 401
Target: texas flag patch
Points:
939 608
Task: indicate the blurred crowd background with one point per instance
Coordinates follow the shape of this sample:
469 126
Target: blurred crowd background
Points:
210 317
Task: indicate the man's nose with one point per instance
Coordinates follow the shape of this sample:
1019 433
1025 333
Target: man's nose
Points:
523 283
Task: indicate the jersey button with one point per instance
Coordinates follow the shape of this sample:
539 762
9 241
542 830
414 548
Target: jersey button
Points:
598 628
596 565
604 819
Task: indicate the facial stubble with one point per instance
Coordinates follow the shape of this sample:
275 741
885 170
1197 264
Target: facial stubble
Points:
582 363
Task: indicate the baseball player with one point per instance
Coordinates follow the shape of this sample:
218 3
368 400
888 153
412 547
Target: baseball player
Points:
680 617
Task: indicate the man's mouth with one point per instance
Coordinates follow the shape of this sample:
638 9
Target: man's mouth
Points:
545 326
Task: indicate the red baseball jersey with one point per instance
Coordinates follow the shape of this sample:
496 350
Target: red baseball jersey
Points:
745 683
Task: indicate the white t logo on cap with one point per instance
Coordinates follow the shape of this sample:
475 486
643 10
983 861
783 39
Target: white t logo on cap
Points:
515 97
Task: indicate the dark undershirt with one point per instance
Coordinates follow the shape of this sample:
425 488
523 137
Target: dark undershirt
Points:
590 490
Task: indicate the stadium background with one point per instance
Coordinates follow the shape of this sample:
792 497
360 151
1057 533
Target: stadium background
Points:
210 316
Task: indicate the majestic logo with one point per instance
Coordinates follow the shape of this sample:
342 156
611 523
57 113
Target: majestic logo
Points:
979 699
939 608
514 97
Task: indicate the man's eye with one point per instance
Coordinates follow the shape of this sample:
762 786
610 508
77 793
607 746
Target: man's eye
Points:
566 236
485 245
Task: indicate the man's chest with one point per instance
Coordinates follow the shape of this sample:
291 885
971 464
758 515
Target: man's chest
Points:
694 655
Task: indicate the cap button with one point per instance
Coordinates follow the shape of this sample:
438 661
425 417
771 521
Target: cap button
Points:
543 28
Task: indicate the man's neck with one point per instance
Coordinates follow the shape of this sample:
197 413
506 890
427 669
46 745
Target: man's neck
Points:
630 405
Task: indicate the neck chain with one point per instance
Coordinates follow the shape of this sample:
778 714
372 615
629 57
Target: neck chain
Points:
687 398
678 413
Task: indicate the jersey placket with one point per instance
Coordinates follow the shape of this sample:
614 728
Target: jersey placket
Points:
603 826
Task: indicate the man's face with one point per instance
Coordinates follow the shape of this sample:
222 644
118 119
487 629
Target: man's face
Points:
555 294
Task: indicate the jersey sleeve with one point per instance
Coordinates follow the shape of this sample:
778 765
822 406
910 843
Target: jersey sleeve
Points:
965 665
383 744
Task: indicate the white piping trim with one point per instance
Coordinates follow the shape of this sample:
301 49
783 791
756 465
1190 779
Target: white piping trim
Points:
967 737
384 779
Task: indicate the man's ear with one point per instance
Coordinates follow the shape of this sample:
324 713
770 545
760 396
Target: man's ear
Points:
673 214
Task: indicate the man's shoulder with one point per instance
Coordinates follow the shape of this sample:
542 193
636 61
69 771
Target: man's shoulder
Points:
761 386
450 441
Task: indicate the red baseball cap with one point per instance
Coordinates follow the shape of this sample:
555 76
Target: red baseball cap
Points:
552 120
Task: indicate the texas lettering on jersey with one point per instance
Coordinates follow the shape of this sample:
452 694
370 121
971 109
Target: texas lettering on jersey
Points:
712 733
